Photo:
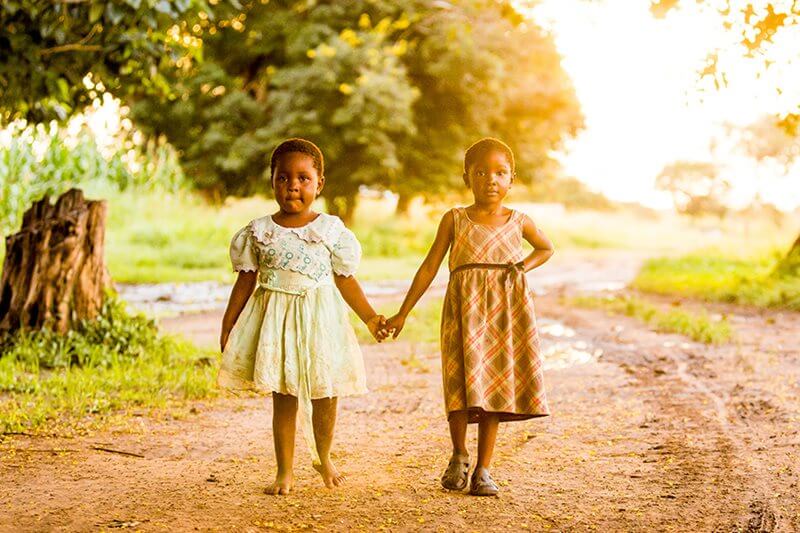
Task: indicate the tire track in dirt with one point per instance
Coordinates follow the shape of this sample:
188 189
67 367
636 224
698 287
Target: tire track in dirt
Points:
697 370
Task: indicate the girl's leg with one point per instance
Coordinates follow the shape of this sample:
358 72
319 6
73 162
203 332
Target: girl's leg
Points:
324 419
455 476
482 483
458 432
284 424
487 434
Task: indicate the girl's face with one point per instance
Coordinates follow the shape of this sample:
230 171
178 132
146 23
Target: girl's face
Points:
296 182
490 177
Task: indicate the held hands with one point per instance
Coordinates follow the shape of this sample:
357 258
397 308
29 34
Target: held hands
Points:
395 325
377 326
381 328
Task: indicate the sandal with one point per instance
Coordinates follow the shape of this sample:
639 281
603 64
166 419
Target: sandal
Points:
482 484
455 477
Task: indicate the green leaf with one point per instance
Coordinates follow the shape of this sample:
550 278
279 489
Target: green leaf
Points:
63 88
114 13
95 12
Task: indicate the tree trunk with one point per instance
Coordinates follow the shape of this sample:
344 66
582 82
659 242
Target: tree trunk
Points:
790 264
403 204
54 272
343 207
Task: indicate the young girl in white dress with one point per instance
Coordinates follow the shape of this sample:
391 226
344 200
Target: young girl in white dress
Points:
286 329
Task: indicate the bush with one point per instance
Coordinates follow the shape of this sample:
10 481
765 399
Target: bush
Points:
113 362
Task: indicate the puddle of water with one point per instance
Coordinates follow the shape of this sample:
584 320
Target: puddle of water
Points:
560 355
554 329
558 351
164 299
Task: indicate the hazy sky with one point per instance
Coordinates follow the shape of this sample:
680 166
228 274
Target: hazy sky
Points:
637 82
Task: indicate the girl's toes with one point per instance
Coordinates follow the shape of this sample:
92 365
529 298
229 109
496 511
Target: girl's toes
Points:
277 489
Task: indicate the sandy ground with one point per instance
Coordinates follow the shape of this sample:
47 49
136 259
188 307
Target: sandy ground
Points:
653 432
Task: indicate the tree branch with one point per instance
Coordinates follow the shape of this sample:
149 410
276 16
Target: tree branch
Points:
71 48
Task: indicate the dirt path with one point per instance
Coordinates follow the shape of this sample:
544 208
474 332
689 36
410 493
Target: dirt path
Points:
654 433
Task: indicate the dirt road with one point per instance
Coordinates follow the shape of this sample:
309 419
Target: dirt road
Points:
651 432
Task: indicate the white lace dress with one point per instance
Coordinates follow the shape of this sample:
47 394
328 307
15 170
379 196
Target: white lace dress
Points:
294 335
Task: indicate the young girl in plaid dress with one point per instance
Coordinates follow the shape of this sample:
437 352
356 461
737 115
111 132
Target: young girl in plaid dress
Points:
491 367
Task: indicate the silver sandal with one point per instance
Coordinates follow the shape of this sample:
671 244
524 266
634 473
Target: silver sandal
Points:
482 484
455 477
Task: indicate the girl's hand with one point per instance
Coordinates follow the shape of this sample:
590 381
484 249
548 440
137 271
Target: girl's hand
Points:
395 324
377 326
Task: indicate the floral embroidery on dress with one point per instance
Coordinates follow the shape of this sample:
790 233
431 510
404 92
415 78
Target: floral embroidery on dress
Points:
317 249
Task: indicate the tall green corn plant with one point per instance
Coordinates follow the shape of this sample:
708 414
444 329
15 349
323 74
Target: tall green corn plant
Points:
36 161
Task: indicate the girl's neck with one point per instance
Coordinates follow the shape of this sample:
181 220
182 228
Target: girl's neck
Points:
294 220
493 208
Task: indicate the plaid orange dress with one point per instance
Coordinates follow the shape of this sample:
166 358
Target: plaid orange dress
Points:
489 341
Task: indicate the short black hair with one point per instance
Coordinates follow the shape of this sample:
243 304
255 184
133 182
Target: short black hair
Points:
298 145
483 147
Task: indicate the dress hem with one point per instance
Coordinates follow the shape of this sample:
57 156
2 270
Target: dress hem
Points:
227 381
475 412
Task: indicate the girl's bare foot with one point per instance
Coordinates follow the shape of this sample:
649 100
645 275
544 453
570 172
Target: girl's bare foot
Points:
329 474
281 486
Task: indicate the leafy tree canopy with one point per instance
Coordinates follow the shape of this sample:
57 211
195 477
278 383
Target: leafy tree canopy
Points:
393 91
48 47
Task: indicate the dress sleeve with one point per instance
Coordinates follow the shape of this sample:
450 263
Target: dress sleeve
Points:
346 253
243 254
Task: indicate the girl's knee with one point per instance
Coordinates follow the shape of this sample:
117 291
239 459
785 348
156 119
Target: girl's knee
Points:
284 401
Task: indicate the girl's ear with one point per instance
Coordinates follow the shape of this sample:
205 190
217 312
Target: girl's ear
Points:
320 184
465 177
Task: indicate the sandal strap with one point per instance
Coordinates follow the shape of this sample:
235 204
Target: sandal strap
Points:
482 478
459 461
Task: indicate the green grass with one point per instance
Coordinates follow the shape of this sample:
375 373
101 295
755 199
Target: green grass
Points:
699 327
32 397
716 276
112 364
388 268
176 238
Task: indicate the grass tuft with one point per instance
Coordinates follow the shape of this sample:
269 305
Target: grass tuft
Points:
699 327
713 276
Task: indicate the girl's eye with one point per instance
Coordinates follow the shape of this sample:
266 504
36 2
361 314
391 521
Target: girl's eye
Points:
481 173
304 178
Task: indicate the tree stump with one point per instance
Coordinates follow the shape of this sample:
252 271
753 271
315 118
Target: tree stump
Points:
54 272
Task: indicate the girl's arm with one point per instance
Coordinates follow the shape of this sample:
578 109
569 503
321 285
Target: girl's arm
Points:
427 271
542 246
242 290
354 295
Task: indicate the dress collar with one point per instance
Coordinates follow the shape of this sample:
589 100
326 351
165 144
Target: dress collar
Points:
264 229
